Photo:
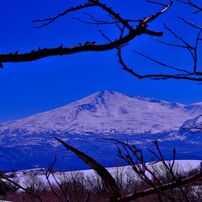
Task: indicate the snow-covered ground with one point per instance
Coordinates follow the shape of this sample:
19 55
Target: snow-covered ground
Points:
28 177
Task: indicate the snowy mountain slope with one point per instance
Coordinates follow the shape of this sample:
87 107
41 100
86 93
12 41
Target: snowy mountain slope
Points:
108 112
29 142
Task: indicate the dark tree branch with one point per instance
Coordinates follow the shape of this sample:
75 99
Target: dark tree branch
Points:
170 44
108 180
192 49
186 44
190 23
134 157
154 2
188 76
94 21
161 63
88 46
60 51
196 178
193 75
3 176
47 21
190 3
48 173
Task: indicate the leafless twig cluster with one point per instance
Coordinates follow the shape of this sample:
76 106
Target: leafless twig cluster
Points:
135 158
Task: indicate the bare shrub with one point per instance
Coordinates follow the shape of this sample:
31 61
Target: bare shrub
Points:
33 182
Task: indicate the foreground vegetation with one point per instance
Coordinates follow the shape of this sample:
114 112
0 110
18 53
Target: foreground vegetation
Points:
160 180
77 187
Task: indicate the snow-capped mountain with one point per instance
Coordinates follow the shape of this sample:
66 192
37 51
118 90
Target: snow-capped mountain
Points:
108 112
29 142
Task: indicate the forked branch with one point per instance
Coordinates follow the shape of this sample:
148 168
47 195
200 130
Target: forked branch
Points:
133 32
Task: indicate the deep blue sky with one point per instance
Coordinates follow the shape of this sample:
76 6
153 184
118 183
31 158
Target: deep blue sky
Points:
28 88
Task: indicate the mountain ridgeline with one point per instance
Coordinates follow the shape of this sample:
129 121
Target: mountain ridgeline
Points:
29 142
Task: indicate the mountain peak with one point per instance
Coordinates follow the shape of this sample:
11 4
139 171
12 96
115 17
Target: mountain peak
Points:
102 95
102 98
105 92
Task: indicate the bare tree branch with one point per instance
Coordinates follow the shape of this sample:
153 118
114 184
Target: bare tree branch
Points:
190 3
93 20
190 23
47 21
87 46
134 157
101 171
188 76
3 176
161 63
197 178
